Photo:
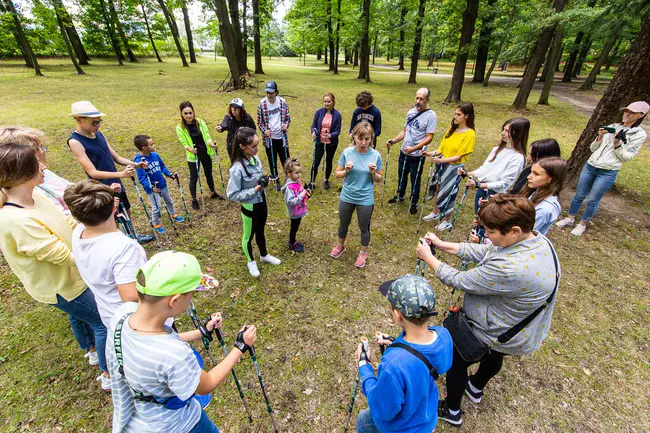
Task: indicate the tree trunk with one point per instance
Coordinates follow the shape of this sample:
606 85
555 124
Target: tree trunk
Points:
402 34
330 35
146 22
71 31
21 37
111 32
229 42
374 48
494 63
483 49
415 58
325 56
548 59
610 59
319 54
120 30
256 37
244 33
21 43
431 56
364 66
188 32
631 83
236 27
338 29
171 22
528 80
586 45
571 61
553 60
355 56
458 76
591 79
390 48
64 35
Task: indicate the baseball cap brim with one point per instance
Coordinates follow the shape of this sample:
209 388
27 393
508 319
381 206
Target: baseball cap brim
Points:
383 287
270 90
208 282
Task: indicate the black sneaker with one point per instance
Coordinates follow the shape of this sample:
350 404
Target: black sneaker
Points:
215 195
144 239
445 415
395 200
414 209
195 204
476 397
326 184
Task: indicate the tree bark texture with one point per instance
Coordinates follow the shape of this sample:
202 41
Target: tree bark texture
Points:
604 54
364 66
188 32
236 27
584 49
229 42
64 35
71 31
120 30
19 33
467 31
146 22
244 32
483 49
111 32
402 35
573 56
338 29
325 56
256 37
171 22
553 60
415 58
374 48
494 63
631 83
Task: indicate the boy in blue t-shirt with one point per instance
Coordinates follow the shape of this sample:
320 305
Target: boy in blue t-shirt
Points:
403 397
153 181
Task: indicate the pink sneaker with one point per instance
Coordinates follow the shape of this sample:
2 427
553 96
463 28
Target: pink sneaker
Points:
337 251
361 260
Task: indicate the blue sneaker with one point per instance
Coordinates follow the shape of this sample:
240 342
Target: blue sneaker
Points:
178 218
160 229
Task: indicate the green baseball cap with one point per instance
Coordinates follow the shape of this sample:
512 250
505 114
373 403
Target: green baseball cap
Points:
411 295
172 273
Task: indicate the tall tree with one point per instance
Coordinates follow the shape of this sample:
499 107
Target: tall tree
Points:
631 83
146 22
466 33
415 58
535 63
71 31
171 22
244 32
229 42
7 6
108 23
548 74
330 36
256 37
604 54
402 34
582 56
364 66
483 49
236 28
338 38
188 31
120 30
66 41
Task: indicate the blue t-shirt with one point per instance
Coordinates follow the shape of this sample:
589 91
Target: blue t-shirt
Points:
358 186
152 174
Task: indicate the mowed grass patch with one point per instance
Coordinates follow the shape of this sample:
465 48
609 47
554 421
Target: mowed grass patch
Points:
590 374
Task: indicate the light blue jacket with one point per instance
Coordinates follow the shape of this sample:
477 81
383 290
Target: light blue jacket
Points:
243 180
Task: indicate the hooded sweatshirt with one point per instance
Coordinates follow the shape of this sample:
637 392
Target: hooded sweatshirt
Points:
546 213
403 397
296 205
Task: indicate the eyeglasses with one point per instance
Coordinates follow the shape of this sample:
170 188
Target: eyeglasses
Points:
44 147
92 121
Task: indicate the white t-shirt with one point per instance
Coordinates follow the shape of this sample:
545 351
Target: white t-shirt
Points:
275 121
104 262
501 173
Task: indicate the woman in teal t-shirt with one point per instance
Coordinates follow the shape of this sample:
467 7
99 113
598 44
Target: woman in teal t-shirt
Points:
360 166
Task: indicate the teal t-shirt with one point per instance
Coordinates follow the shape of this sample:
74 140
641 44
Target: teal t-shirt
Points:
358 187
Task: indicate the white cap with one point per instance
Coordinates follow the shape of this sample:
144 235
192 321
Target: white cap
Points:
237 102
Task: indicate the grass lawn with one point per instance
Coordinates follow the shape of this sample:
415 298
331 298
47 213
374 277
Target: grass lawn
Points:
591 374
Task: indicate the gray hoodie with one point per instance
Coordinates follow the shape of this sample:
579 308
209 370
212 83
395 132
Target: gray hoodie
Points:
506 286
242 182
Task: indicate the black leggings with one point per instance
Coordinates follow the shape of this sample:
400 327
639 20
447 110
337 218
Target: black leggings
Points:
295 225
457 378
206 162
254 219
318 157
279 153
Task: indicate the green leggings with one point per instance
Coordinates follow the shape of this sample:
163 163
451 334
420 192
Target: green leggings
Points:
253 218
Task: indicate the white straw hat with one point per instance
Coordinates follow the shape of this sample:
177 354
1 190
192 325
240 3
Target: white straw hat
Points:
85 109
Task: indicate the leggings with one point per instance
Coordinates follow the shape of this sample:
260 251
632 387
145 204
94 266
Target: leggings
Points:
295 225
323 149
206 162
364 213
275 152
253 218
457 378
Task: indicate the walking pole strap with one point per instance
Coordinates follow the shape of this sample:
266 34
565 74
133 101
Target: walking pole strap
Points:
432 370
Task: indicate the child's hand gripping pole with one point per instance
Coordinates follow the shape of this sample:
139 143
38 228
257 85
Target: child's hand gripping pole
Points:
383 340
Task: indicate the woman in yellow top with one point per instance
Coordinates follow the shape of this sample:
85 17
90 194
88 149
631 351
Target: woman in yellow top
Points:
36 241
456 146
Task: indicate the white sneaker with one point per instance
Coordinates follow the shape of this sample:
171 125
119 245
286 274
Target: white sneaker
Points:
432 216
566 222
270 260
92 358
579 230
105 381
445 225
252 269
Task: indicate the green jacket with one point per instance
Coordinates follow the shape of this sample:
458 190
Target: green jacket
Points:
186 140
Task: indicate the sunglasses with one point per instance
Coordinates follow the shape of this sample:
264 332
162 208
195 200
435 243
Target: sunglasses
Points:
93 122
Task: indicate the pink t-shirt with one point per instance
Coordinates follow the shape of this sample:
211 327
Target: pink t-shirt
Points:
325 128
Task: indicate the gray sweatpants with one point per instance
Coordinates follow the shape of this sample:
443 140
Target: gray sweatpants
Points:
156 205
363 217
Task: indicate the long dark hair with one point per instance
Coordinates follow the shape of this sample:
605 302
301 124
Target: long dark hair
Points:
243 136
467 108
545 148
556 169
242 113
184 105
519 129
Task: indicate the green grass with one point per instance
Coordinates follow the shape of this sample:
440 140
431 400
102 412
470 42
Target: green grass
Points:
591 374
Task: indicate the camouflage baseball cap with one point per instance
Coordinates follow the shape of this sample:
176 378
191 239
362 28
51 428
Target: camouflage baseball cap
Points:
411 295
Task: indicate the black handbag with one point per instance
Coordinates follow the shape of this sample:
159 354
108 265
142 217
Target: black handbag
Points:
470 348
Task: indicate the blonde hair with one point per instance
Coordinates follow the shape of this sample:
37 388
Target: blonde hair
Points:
18 164
360 129
291 165
22 135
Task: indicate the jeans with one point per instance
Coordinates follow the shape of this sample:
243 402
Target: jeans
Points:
205 425
84 308
365 424
154 199
480 193
413 166
594 183
83 333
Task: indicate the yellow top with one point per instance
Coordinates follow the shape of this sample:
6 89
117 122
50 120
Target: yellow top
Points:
37 244
459 144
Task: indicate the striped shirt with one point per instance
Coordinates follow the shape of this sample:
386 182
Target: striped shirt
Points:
159 365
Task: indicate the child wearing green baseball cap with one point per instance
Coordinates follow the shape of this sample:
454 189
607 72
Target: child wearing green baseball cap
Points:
403 397
155 373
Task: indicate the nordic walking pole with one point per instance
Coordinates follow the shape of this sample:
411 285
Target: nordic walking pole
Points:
415 182
169 214
386 168
314 167
424 197
364 351
156 196
381 336
191 311
266 397
137 190
460 205
198 176
399 180
216 153
269 144
126 223
234 375
180 190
